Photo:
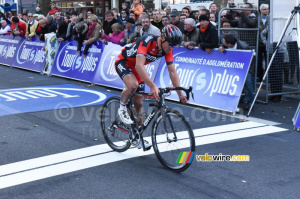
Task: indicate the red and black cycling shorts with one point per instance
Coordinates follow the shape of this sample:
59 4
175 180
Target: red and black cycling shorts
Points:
123 70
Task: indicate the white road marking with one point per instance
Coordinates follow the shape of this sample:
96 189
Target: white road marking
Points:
62 163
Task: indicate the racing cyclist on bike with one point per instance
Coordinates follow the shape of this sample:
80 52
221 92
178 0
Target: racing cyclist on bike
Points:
130 67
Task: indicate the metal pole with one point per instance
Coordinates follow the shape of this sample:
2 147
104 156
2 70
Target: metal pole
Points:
273 56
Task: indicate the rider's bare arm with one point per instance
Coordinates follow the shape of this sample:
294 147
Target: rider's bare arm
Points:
140 62
176 82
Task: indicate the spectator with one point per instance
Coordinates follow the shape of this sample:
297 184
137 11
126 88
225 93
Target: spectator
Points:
124 16
117 34
162 13
175 20
19 16
38 11
51 25
42 29
226 23
35 16
212 19
190 35
196 16
130 32
262 53
125 7
79 35
213 10
57 18
93 33
157 19
9 15
230 42
67 19
247 20
61 31
17 27
166 20
40 17
200 10
138 25
5 28
187 12
109 21
25 18
148 27
208 37
137 8
81 18
116 16
31 26
182 17
88 13
132 15
168 10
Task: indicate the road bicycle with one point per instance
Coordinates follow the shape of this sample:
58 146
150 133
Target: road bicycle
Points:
171 134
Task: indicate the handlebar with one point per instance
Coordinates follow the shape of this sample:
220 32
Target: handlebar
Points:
187 91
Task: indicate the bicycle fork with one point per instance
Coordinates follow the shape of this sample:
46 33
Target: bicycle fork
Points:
174 139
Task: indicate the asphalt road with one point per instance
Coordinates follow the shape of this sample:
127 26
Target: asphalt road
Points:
43 156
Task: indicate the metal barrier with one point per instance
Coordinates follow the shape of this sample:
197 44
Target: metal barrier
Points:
284 73
248 35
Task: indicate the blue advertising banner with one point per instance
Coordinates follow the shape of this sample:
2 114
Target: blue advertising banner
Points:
72 65
106 74
30 54
217 78
8 48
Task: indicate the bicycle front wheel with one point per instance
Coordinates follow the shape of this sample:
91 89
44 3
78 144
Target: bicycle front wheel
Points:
174 143
114 131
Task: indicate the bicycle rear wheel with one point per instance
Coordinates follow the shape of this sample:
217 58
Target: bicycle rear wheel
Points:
176 153
114 131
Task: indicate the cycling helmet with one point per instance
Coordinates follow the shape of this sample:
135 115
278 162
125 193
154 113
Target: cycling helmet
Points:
172 34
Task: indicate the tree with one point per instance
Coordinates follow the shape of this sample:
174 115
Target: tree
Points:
44 6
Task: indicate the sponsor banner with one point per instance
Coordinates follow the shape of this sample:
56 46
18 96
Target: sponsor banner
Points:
51 49
8 48
72 65
107 75
217 78
22 100
30 54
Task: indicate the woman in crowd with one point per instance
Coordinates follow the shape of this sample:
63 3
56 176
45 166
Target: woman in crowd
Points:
42 29
93 33
117 34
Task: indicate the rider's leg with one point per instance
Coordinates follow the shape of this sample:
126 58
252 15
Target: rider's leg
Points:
131 85
138 104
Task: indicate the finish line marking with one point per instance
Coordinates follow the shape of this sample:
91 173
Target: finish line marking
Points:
57 164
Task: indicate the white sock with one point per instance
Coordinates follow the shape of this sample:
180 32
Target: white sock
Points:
122 106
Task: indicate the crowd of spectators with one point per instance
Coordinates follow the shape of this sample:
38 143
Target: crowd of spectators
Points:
199 28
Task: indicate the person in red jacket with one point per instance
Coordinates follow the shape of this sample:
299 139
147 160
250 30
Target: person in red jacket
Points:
17 27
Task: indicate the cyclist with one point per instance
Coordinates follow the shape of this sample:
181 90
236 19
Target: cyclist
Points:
130 67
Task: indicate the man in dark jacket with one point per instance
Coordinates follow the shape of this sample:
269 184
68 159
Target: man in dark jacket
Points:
208 37
109 21
175 20
247 20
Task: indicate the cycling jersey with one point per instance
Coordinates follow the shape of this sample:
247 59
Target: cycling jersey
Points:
146 46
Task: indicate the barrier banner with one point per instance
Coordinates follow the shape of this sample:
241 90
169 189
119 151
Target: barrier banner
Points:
107 75
296 118
8 48
217 78
30 54
72 65
51 48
